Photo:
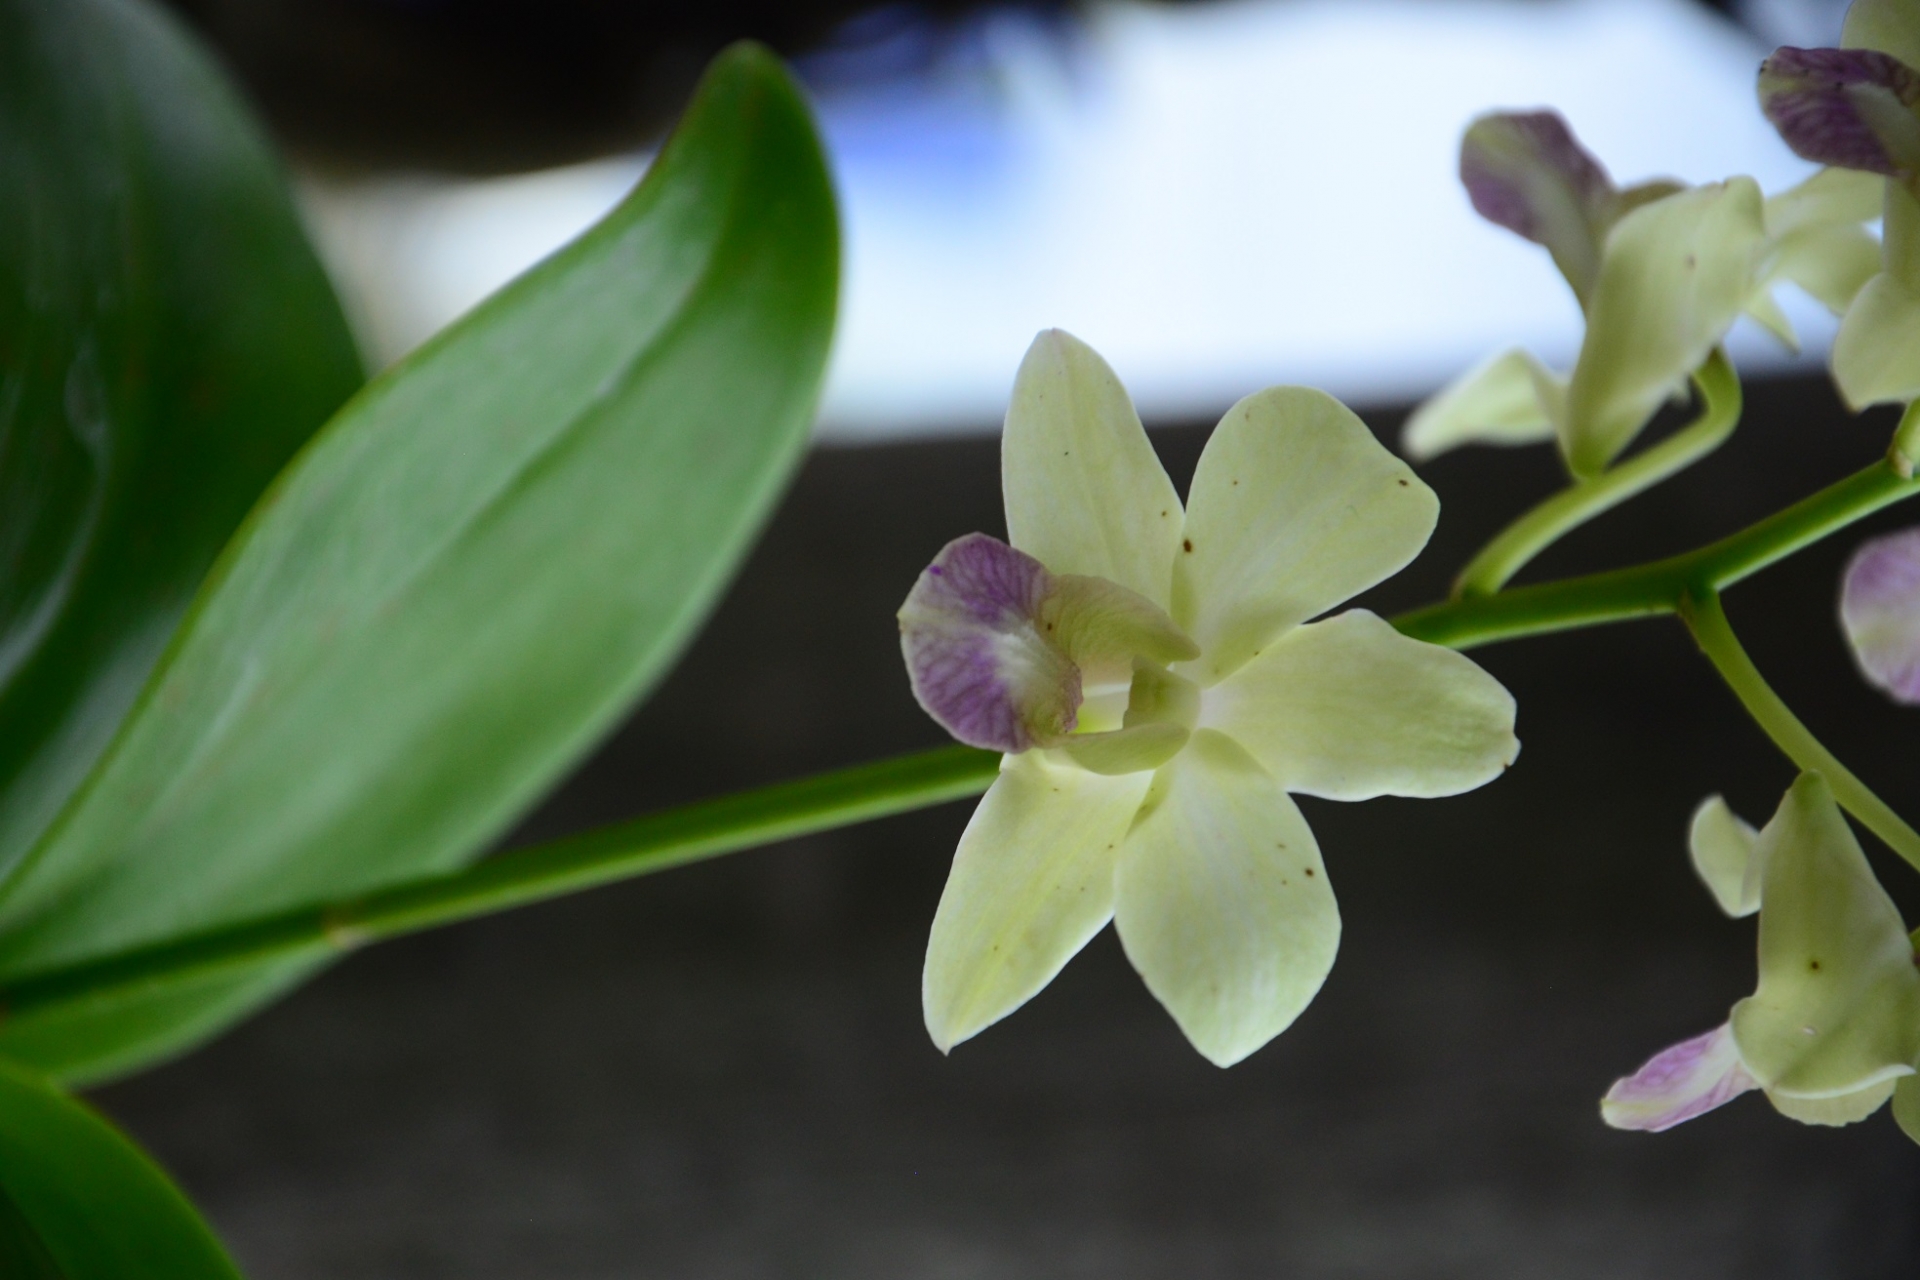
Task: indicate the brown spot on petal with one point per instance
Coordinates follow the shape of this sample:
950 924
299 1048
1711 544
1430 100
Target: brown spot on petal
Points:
1187 545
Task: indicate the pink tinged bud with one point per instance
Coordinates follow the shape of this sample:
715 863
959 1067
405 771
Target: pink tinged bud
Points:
1679 1083
1525 171
1847 107
1507 157
1880 611
976 653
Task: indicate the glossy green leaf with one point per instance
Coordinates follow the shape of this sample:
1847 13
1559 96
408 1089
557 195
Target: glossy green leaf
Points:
78 1201
167 341
471 572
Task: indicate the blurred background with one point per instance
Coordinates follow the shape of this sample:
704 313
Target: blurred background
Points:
720 1072
1217 196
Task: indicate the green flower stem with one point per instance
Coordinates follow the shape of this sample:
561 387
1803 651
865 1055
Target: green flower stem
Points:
673 838
1708 622
710 828
1659 586
1580 502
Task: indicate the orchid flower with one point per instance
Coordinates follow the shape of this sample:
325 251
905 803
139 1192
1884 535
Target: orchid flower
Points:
1858 108
1661 272
1833 1028
1153 677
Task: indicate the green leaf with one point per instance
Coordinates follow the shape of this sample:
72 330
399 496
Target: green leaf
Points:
471 572
167 341
78 1201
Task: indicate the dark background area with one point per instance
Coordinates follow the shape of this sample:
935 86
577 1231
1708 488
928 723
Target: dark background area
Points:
490 86
494 86
721 1072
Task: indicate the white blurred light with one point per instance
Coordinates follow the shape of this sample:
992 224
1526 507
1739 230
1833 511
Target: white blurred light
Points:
1217 197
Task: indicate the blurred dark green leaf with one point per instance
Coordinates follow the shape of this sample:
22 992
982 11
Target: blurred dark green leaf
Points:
167 341
476 567
78 1201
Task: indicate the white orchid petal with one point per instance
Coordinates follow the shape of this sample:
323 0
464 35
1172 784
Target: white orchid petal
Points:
1222 902
1675 275
1837 1007
1891 26
1831 263
1906 1106
1031 883
1085 492
1680 1082
1818 238
1900 234
1496 402
1876 354
1766 312
1350 709
1722 848
1295 507
1843 1108
1830 197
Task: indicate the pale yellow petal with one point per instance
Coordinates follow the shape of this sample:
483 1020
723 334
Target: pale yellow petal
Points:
1906 1106
1223 904
1031 883
1831 196
1900 235
1295 508
1844 1108
1818 237
1350 709
1674 276
1837 1008
1722 848
1496 402
1876 354
1891 26
1763 309
1831 263
1085 492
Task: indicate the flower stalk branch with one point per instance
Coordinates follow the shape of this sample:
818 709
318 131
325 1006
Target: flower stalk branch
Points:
1536 530
1658 586
1707 620
840 798
673 838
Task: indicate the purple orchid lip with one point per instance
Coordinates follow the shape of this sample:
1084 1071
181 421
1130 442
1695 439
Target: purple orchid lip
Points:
1501 151
1880 611
1822 102
1679 1083
976 654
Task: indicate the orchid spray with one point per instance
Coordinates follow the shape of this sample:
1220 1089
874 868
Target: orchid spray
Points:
276 738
